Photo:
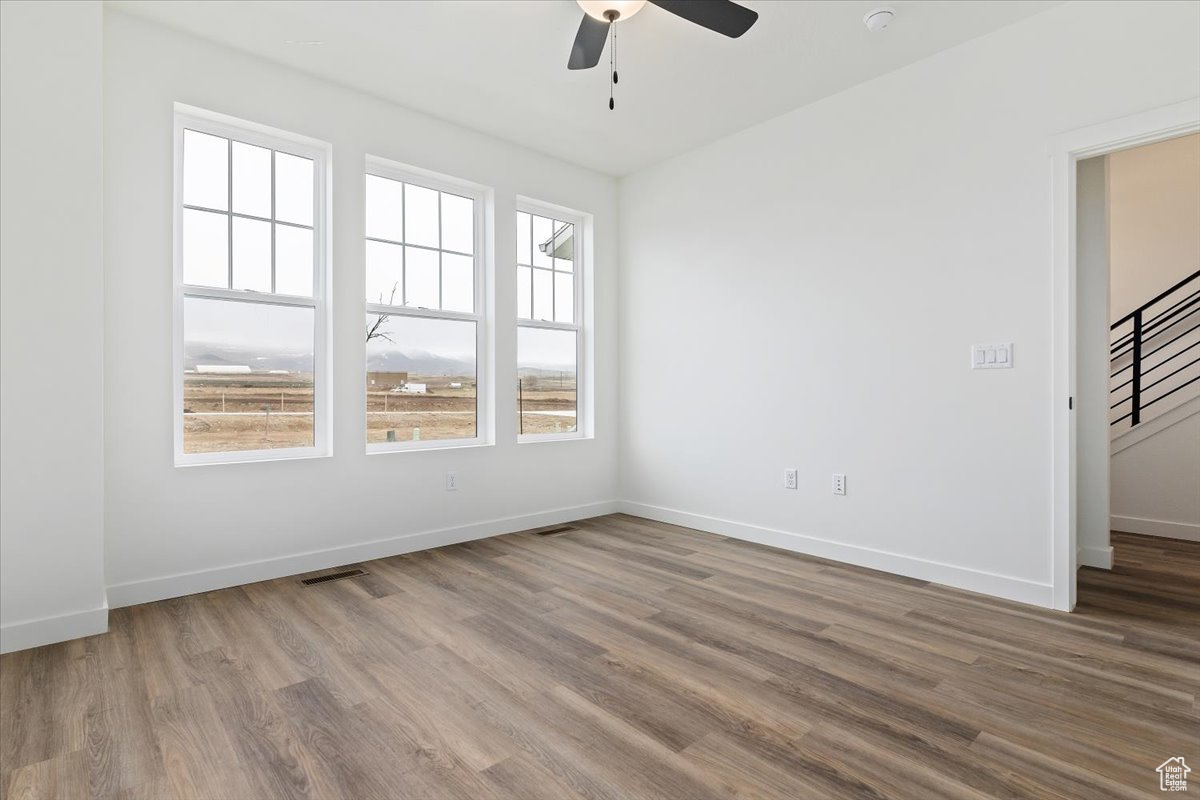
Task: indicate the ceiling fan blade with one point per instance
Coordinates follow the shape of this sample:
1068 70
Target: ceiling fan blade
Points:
722 16
589 43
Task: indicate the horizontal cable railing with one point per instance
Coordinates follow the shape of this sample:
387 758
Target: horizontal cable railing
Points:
1173 332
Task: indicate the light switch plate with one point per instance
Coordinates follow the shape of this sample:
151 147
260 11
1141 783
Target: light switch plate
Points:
992 356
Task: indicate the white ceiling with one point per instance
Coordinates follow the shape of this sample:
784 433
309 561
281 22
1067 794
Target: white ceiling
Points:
499 66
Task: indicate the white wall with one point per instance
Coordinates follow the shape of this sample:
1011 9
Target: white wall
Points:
1092 362
51 324
1154 195
174 530
804 293
1156 476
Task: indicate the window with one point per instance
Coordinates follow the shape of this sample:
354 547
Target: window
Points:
424 324
549 329
250 292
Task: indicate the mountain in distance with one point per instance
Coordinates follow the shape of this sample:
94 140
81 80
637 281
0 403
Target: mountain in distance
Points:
230 355
566 372
418 362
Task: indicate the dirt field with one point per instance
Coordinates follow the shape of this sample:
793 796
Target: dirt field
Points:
560 402
224 413
227 413
443 412
446 413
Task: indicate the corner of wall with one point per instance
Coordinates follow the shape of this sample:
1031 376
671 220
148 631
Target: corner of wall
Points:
52 461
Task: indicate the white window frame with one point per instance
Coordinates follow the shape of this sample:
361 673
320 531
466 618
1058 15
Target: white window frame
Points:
580 326
203 121
482 316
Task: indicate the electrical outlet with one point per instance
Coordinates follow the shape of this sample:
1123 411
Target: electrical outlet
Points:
839 483
789 479
451 481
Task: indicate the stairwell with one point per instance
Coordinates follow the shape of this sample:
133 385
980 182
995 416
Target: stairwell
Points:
1154 415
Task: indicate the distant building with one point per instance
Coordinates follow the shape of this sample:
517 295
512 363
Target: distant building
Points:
386 381
222 369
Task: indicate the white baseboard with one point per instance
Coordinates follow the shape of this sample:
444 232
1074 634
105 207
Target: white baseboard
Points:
145 591
1009 588
49 630
1099 557
1156 527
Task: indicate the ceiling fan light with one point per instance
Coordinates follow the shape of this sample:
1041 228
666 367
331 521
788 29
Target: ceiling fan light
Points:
597 8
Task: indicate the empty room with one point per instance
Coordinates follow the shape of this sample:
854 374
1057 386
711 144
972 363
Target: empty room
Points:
599 399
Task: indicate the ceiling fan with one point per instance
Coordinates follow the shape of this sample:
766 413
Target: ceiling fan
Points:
721 16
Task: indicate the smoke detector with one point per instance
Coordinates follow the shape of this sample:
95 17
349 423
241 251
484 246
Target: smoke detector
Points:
879 19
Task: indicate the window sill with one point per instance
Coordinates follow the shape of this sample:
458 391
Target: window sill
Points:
385 448
249 457
535 438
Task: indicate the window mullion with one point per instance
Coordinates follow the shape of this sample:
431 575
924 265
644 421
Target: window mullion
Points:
229 206
240 296
273 221
441 302
283 222
404 247
531 274
547 325
425 313
401 244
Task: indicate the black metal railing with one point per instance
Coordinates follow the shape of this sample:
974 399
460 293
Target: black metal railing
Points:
1162 327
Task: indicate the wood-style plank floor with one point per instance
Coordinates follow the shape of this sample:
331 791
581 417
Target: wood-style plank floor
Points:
624 659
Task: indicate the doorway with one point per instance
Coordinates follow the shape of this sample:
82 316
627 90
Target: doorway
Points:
1077 374
1138 332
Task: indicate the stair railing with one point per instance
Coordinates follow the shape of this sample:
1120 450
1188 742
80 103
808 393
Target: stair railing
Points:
1146 335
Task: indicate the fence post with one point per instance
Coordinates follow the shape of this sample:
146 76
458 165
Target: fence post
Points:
1137 368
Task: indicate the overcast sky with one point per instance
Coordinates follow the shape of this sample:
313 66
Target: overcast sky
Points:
252 326
439 337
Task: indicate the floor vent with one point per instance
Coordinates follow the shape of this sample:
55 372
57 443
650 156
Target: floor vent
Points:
553 531
335 576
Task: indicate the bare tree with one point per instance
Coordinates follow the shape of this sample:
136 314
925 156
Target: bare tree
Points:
374 331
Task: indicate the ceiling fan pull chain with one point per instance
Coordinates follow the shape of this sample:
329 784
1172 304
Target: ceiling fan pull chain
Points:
614 54
612 64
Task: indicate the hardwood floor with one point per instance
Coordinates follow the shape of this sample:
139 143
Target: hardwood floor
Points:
623 659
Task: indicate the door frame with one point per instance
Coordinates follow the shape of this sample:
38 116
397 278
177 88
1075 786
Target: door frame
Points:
1067 149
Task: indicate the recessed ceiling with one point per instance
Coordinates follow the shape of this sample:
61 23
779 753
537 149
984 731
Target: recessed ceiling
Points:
500 66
